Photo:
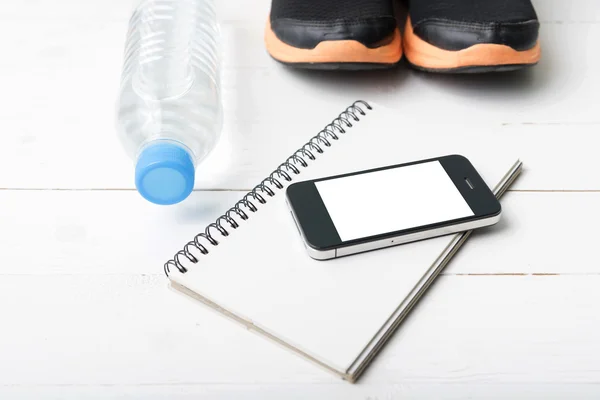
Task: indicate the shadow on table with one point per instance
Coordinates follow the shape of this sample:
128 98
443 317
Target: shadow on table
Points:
379 80
203 207
526 81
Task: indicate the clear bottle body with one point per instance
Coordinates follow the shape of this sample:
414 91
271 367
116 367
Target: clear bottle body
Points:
170 82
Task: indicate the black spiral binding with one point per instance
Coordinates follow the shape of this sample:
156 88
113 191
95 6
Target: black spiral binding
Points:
268 186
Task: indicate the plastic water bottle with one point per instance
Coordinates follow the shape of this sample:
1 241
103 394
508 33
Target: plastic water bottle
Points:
169 112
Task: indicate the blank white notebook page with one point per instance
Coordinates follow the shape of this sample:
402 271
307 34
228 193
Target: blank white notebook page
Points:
330 310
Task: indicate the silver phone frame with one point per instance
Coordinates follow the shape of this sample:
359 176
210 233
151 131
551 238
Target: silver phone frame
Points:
343 251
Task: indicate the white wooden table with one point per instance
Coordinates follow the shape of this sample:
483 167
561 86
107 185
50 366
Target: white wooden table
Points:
84 307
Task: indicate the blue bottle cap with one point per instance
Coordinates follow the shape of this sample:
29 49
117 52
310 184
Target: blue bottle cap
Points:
164 173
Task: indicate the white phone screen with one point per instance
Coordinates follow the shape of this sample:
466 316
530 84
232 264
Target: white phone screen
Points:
392 200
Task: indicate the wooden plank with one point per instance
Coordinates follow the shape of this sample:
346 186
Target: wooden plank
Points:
498 329
60 141
226 391
91 330
32 12
66 232
115 329
556 156
579 11
58 232
540 233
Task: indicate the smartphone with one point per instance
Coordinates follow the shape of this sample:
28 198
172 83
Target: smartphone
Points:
362 211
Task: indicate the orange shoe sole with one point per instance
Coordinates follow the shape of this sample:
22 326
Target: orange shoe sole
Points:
477 58
335 52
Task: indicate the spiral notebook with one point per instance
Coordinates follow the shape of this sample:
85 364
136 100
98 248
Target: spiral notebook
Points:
335 313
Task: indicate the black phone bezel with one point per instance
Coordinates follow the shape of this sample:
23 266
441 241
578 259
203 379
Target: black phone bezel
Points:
319 231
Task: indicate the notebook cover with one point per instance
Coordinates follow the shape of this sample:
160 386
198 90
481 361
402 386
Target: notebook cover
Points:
339 312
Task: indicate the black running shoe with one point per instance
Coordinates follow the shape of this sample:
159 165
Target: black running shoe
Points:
471 35
333 34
